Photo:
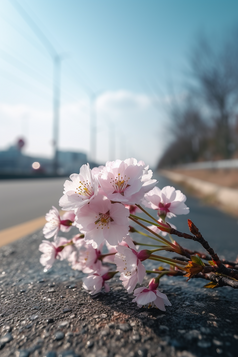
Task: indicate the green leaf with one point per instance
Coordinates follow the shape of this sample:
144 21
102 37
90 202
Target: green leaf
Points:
197 260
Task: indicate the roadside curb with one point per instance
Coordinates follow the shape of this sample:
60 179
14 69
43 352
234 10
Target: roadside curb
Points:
228 197
50 315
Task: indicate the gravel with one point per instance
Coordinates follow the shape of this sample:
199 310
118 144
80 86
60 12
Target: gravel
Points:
48 314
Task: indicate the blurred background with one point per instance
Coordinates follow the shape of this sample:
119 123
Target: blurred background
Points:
92 81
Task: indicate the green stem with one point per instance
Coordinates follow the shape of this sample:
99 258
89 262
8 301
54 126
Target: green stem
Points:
144 244
144 234
145 220
169 259
161 239
156 250
149 215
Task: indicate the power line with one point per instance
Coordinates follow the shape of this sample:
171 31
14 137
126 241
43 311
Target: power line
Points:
56 89
56 62
16 62
23 83
24 35
48 45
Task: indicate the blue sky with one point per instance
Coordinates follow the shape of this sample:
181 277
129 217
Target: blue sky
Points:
125 51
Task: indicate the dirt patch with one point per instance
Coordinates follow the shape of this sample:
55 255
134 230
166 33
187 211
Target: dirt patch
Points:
221 177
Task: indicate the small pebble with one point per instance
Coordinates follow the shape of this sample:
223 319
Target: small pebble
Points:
59 335
193 334
51 354
163 328
33 317
217 342
6 328
142 352
6 338
204 344
73 286
124 327
104 332
136 337
50 320
63 323
67 354
67 309
22 353
185 354
205 330
90 344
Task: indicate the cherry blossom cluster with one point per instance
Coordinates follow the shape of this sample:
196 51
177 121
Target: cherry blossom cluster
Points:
102 203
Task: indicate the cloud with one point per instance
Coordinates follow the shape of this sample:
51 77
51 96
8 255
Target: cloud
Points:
128 124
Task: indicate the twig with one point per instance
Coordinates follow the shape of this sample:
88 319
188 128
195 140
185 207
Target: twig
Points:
218 279
199 238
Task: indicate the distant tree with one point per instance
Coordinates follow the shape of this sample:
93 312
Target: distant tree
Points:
214 70
189 134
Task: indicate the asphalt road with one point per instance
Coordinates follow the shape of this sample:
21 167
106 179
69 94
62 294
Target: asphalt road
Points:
25 200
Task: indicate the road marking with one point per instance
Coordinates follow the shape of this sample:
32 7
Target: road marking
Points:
11 234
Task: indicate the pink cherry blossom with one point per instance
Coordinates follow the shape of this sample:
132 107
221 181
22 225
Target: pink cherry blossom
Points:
56 223
133 209
80 190
87 259
151 296
168 201
126 181
51 251
95 282
131 269
102 220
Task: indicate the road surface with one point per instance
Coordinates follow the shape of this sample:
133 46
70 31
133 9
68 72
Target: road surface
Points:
25 203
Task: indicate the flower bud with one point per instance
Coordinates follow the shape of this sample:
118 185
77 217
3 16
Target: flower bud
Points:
164 226
153 285
144 254
66 222
109 275
132 229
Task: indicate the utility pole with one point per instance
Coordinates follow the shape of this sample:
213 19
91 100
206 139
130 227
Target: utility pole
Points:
56 77
93 127
112 140
56 110
93 124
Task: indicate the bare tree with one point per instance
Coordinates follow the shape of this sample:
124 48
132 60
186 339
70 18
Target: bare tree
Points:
189 134
214 69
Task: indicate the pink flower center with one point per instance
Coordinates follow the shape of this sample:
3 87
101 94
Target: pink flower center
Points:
103 220
164 207
85 189
120 183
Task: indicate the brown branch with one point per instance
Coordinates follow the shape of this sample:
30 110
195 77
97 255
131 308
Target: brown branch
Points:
197 237
218 279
